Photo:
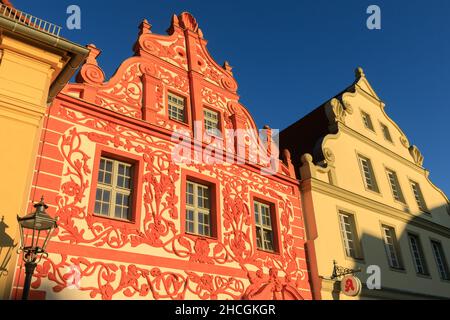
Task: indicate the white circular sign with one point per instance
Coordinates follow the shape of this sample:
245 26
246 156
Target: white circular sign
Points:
351 286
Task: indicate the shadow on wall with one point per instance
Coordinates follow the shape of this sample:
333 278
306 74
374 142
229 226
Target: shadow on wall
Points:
401 278
7 247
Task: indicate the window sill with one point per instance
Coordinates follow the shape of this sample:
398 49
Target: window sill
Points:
377 193
214 136
424 276
272 253
194 236
117 220
399 270
185 124
355 260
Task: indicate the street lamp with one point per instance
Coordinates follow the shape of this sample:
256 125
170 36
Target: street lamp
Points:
35 231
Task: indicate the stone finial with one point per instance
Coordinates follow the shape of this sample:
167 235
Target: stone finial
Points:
145 27
175 21
359 73
90 72
287 155
188 22
307 158
93 54
227 67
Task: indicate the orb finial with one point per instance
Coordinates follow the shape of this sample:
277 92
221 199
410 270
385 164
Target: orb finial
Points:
359 73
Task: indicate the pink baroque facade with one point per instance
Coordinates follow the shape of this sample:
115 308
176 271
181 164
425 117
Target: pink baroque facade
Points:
133 223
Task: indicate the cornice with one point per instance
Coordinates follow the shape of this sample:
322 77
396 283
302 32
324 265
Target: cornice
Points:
386 210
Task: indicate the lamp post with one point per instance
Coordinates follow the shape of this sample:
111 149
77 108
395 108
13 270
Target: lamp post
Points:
35 231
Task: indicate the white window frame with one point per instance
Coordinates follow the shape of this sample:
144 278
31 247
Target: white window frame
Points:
261 228
440 258
368 174
392 247
367 121
349 235
198 210
418 196
178 104
418 255
212 125
115 190
396 189
386 133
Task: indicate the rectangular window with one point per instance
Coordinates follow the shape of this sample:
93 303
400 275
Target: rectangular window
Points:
367 121
349 235
114 185
368 174
441 261
392 247
418 196
386 133
395 186
177 108
264 227
417 254
212 123
198 209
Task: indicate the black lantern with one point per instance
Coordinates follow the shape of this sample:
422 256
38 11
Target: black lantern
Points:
35 232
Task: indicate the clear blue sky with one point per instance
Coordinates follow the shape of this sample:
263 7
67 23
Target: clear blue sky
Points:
307 48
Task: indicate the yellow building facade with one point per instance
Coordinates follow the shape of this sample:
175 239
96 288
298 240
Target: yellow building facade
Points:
35 63
369 201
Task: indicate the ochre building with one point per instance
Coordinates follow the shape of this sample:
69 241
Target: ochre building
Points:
368 200
35 63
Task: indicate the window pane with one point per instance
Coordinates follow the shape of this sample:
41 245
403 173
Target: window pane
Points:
367 171
264 233
259 238
417 254
109 166
176 108
98 207
441 261
198 219
105 209
390 242
367 121
106 196
386 133
418 196
349 236
114 175
108 178
268 240
211 121
395 186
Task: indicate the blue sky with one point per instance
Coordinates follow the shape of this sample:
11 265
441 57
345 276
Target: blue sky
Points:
305 48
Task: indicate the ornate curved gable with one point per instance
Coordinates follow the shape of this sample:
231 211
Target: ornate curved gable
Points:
168 62
176 63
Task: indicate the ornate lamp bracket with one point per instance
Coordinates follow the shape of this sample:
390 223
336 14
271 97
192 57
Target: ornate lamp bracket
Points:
339 272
